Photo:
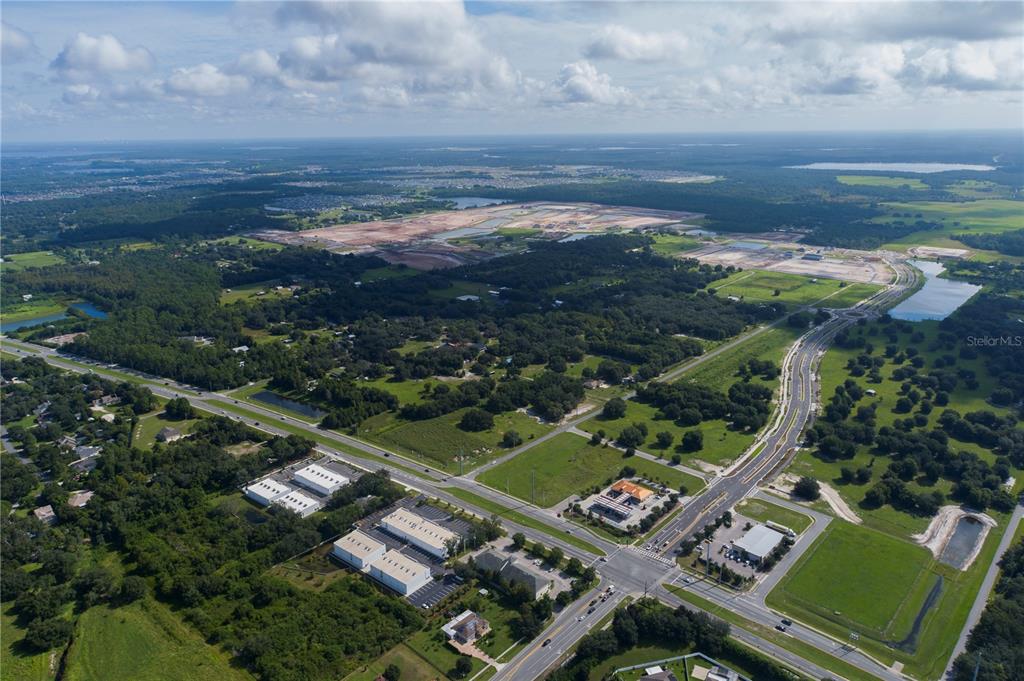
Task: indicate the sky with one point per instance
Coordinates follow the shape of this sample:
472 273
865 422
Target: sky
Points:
86 71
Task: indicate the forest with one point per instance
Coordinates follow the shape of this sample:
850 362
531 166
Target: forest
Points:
1007 243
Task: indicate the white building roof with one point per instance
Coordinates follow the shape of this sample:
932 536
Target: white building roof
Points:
759 541
316 475
419 529
401 568
268 488
298 502
449 629
358 544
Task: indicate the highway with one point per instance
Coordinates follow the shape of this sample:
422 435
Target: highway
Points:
632 571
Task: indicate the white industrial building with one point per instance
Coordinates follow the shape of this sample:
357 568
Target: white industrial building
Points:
420 532
297 502
266 491
400 573
319 479
759 542
358 550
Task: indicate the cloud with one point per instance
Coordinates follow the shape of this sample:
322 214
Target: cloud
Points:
581 83
86 56
970 67
204 80
15 44
80 93
619 42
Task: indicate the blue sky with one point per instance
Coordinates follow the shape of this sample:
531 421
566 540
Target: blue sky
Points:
149 70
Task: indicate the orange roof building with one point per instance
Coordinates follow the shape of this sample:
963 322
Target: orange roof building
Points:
634 491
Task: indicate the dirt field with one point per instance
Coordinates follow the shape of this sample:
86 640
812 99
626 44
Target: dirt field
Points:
549 217
846 265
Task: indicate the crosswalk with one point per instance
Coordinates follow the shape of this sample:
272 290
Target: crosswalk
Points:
653 555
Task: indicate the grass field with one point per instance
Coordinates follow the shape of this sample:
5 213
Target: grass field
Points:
850 295
150 424
414 667
567 464
721 372
14 262
983 216
141 641
253 244
670 244
440 441
762 510
17 663
16 310
430 645
881 181
760 286
252 291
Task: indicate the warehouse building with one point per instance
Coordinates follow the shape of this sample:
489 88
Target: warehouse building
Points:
297 502
400 573
512 571
759 542
358 550
418 531
320 479
266 491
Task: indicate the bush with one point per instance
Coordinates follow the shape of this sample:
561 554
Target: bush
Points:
47 634
511 439
614 408
693 441
476 420
807 488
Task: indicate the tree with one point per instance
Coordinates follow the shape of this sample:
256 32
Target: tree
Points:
393 672
463 666
476 420
693 441
179 409
807 488
664 439
511 439
614 408
519 540
630 437
555 556
132 589
46 634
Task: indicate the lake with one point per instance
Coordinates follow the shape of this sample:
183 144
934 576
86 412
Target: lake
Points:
472 201
961 545
273 399
896 167
88 308
937 299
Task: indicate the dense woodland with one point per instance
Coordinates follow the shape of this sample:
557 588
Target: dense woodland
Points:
1007 243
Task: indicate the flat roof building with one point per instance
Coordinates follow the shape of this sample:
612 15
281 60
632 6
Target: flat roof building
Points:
358 550
466 627
297 502
509 569
418 531
759 541
265 491
319 479
400 573
606 505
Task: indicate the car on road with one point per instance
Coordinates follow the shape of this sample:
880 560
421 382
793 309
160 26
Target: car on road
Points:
546 643
603 559
688 580
591 611
787 622
780 627
593 601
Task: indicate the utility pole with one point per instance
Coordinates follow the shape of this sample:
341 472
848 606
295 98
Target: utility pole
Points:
977 666
533 486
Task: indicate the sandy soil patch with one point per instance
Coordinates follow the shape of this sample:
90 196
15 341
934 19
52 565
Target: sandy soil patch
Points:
829 493
943 525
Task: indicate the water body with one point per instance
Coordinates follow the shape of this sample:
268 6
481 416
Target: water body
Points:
462 232
273 399
88 308
749 245
575 237
961 545
472 201
924 168
937 299
909 644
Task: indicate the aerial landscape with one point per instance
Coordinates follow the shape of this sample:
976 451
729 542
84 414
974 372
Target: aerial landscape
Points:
513 341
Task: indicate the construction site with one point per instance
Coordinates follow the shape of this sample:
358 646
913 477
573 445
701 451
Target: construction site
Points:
791 258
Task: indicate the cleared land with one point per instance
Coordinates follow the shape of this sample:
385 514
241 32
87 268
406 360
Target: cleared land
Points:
20 261
764 511
759 286
258 290
567 464
881 181
151 424
979 217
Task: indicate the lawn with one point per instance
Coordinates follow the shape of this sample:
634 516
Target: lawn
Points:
567 464
441 442
430 644
150 424
670 244
759 509
253 244
16 662
882 181
760 286
850 295
20 261
252 291
144 640
849 562
408 391
413 667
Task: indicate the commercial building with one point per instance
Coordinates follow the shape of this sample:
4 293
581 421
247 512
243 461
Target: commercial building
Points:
297 502
759 542
400 573
631 491
319 479
605 505
358 550
265 491
510 570
466 627
420 532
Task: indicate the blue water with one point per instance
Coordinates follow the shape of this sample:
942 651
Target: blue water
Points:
272 398
937 299
472 201
924 168
88 308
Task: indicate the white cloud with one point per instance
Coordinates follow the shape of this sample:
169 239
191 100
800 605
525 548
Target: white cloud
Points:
86 56
581 82
619 42
80 93
204 80
15 44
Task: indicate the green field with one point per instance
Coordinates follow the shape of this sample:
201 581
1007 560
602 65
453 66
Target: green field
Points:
984 216
671 244
430 644
17 663
721 372
414 667
151 424
141 641
252 292
759 509
881 181
253 244
850 295
16 310
760 286
441 442
20 261
567 464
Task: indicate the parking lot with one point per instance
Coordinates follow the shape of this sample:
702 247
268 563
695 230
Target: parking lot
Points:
721 546
369 525
435 592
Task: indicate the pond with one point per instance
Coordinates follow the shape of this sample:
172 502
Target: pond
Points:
88 308
923 168
272 398
961 545
472 201
937 299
